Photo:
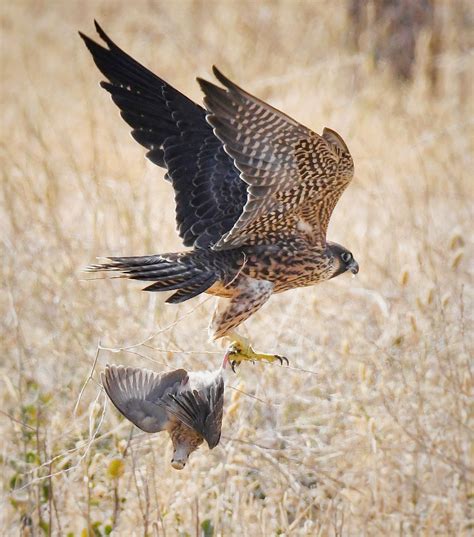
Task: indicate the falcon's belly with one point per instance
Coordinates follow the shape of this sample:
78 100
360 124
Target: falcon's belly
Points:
286 266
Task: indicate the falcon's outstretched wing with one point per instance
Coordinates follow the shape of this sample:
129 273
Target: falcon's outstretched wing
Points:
294 176
201 410
209 192
139 394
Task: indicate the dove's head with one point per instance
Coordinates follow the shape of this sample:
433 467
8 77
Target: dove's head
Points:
185 441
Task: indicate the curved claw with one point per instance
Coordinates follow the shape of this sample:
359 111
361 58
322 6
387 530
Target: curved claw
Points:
282 359
233 365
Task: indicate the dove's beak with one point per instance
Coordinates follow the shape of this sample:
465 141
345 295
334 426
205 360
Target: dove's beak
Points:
180 456
178 465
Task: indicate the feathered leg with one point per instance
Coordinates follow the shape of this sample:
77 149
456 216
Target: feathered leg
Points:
228 315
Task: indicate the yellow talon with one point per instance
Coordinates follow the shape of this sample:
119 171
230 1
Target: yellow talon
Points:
240 351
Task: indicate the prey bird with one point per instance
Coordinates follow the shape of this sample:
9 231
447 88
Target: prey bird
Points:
189 405
254 193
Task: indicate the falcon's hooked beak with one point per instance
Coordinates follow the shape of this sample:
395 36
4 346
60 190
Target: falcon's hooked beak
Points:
353 266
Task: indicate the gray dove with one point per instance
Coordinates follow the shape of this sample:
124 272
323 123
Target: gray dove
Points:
189 405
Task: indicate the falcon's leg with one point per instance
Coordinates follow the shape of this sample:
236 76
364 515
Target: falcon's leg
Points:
250 296
240 351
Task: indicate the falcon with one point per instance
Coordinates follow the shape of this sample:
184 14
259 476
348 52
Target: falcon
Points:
189 405
254 193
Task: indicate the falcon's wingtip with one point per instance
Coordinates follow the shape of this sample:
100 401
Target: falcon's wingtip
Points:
101 33
226 82
217 73
90 42
206 85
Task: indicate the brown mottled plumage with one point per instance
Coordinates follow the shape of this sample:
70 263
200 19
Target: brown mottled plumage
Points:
254 190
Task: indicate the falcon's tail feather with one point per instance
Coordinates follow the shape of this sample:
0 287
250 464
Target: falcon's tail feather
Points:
167 272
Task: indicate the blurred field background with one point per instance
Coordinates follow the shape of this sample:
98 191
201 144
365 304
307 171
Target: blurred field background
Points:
369 431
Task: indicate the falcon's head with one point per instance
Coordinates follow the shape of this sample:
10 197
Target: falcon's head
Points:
343 259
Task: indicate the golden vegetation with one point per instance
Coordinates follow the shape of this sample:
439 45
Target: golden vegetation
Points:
368 432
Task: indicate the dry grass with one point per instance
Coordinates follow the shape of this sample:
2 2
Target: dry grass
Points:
368 432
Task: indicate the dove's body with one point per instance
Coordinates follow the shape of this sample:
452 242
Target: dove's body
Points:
189 406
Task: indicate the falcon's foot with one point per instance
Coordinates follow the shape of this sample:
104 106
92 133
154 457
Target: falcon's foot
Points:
241 351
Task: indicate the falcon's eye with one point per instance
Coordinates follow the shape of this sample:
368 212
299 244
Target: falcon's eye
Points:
346 257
